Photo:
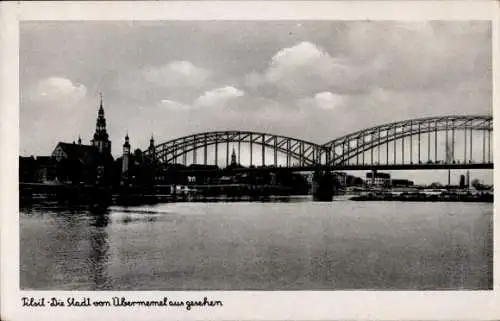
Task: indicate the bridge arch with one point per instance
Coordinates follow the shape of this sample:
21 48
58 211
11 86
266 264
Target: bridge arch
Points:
345 150
341 150
305 153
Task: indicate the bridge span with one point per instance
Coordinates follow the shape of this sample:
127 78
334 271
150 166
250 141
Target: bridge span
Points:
347 167
440 142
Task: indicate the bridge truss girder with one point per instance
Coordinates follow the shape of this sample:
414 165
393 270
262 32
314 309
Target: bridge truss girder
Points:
341 150
306 153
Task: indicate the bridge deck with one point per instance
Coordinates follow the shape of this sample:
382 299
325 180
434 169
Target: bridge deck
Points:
352 168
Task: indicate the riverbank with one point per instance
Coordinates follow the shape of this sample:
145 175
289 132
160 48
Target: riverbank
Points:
101 197
421 197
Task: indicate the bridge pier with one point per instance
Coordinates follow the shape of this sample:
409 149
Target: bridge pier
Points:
322 186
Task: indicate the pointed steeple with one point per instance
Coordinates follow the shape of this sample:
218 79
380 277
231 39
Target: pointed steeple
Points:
101 120
126 144
233 157
152 144
101 109
101 138
152 150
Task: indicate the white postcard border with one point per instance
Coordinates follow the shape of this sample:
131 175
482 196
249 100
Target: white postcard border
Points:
241 305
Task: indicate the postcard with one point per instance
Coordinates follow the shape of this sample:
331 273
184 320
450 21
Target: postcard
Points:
249 160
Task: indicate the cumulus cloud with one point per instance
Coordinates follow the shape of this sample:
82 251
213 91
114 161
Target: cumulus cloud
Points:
406 56
210 98
174 105
301 54
57 88
323 100
218 97
327 100
419 55
303 69
303 66
177 74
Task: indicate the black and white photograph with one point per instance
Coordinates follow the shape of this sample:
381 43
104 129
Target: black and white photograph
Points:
240 155
256 155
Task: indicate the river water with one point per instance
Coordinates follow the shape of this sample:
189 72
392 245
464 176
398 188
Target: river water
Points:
294 245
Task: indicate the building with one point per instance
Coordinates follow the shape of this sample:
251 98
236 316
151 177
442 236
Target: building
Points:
101 139
152 149
75 162
125 161
137 168
234 161
401 183
233 158
79 163
37 169
377 179
204 174
341 178
462 181
351 180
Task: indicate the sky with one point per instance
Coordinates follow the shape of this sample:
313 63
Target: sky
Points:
314 80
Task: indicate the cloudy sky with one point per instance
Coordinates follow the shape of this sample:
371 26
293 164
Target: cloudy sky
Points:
314 80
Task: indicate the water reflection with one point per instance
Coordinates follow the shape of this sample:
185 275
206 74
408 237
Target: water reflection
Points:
99 248
100 219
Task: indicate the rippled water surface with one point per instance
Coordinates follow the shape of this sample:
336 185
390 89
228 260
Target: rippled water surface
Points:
266 246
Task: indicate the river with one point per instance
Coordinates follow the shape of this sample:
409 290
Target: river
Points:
294 245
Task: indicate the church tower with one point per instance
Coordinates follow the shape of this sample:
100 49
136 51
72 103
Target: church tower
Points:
126 156
151 148
233 158
101 138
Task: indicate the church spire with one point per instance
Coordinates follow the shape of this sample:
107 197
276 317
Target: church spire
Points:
151 149
126 144
101 120
101 138
101 109
233 157
152 141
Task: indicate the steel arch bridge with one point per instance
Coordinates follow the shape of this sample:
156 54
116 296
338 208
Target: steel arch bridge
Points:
411 135
414 143
304 152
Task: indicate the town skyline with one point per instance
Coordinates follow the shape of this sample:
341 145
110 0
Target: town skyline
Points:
314 80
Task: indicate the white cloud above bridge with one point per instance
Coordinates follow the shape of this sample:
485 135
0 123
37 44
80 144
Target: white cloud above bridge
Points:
323 100
176 74
218 97
300 70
